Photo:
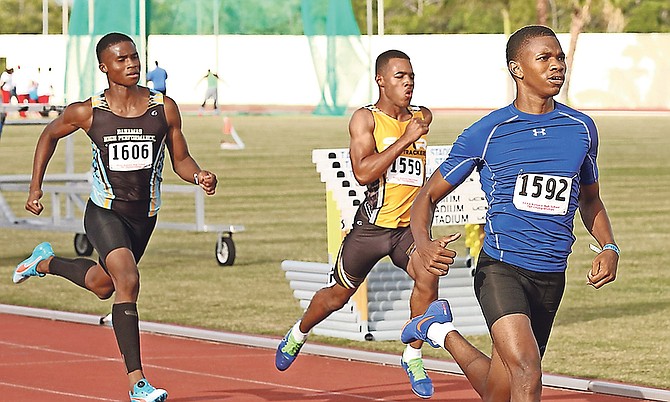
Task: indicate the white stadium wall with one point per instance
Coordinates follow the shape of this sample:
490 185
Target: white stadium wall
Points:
610 71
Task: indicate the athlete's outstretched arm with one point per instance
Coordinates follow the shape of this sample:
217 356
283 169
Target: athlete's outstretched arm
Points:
433 255
597 222
183 163
75 116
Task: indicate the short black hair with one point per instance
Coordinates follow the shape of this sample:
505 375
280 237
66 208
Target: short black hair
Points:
108 40
522 36
383 59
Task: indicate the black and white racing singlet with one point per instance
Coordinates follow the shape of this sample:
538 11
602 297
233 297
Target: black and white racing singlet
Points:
128 157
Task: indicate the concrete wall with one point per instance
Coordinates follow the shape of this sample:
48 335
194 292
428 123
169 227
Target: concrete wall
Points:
610 71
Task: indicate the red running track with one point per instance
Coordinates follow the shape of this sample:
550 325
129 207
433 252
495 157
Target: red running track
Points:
49 360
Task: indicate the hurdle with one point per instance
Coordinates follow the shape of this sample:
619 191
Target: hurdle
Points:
380 307
42 108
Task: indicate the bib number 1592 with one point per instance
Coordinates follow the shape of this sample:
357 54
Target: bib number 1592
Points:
542 193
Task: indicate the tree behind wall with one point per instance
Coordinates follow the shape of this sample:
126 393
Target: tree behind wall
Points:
402 16
25 17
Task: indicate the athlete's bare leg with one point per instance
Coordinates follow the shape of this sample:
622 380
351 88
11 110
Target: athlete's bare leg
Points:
324 303
519 354
99 282
424 292
513 373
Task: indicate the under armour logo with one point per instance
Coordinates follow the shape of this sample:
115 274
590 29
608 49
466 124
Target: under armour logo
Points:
538 131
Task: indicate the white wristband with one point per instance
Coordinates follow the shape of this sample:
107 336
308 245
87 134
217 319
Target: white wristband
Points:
608 246
611 246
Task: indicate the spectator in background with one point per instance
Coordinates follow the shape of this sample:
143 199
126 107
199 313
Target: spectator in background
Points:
44 85
32 95
7 84
158 76
23 83
212 88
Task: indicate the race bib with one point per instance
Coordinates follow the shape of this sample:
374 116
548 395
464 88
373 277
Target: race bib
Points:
406 170
542 193
132 155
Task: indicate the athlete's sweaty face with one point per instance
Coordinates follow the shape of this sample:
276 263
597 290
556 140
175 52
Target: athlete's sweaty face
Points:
543 64
121 63
397 81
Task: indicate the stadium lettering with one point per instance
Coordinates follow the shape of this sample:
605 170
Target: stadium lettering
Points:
452 198
455 219
442 208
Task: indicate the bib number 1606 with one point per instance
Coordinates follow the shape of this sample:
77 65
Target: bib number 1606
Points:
126 156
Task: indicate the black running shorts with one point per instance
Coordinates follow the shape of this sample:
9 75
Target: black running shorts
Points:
504 289
365 245
108 230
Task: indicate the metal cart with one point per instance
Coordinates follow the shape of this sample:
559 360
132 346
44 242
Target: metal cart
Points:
68 194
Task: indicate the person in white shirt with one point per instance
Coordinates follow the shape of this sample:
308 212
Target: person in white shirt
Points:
7 84
44 85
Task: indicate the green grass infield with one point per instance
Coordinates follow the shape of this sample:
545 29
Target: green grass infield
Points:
620 332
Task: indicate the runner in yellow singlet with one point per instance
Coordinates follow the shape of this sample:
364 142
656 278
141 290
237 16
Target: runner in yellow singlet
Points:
388 155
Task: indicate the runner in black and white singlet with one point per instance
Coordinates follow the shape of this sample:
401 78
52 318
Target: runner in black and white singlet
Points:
130 128
537 165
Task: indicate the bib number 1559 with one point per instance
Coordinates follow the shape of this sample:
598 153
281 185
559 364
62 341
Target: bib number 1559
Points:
406 170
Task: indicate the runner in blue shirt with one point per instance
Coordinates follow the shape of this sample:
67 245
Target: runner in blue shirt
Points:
537 164
158 76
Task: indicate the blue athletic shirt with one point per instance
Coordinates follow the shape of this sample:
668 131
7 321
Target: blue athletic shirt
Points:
530 168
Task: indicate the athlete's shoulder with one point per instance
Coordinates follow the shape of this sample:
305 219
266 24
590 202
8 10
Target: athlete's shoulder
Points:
416 109
562 108
370 107
79 111
157 98
421 111
362 120
365 112
99 101
496 117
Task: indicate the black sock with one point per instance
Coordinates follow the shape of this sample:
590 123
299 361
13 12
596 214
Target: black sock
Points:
126 328
73 270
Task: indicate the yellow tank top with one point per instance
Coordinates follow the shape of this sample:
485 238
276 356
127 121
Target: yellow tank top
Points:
389 199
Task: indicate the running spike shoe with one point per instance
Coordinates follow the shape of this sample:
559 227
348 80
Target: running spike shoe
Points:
417 327
28 267
145 392
287 351
422 385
